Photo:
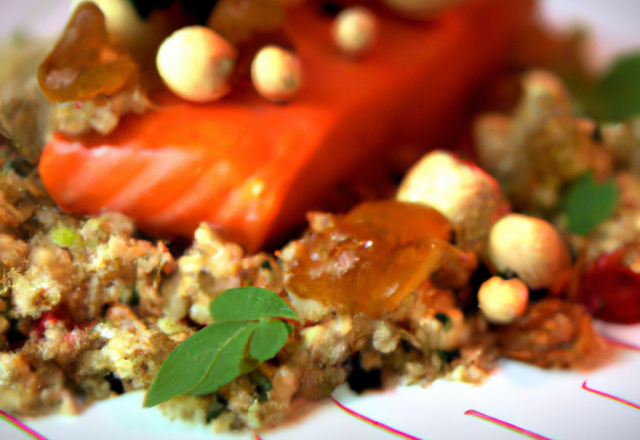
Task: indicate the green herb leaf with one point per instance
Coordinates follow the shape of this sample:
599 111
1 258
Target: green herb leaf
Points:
613 97
205 361
619 91
249 304
267 340
220 352
587 203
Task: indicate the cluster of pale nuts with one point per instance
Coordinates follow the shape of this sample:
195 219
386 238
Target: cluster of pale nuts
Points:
526 248
196 63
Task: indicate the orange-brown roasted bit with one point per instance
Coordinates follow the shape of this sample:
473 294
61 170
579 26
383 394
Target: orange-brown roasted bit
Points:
239 21
371 259
84 64
248 26
553 334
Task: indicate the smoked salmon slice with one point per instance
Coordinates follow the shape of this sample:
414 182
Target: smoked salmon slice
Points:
254 168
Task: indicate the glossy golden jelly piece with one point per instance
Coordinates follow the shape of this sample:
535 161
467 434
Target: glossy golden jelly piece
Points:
84 63
369 260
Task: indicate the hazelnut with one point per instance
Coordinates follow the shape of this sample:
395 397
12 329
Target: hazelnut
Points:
275 73
470 198
196 63
354 30
502 301
530 248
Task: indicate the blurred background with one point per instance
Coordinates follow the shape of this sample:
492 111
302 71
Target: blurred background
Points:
614 22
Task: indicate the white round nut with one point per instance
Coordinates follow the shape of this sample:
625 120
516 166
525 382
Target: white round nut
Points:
355 30
470 198
502 301
196 63
276 73
419 9
530 248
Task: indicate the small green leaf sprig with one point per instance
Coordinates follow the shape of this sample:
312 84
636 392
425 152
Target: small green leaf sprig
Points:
588 203
248 329
616 96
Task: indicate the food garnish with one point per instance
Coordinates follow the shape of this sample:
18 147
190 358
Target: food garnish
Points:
247 329
196 64
276 74
614 95
355 30
502 301
372 258
529 248
588 203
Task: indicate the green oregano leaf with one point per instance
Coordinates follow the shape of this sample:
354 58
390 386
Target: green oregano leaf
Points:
249 303
205 361
588 203
246 332
618 93
613 96
267 340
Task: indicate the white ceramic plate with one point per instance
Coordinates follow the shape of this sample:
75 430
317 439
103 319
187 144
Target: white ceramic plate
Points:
536 403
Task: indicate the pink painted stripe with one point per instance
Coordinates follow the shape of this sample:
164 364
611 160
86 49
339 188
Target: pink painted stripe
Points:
619 343
473 412
257 437
610 396
374 423
21 426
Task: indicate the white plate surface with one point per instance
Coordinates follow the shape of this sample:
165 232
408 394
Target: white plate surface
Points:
546 404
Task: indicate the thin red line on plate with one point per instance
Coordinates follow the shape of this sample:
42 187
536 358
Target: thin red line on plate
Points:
621 344
514 428
20 426
257 437
610 396
374 423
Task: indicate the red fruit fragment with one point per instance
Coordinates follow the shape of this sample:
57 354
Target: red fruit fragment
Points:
610 289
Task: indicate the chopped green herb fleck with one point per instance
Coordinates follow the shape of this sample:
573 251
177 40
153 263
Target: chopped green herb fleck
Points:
63 236
22 167
263 385
448 356
588 203
444 320
215 409
134 299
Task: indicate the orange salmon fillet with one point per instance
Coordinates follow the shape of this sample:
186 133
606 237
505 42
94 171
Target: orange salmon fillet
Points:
254 168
